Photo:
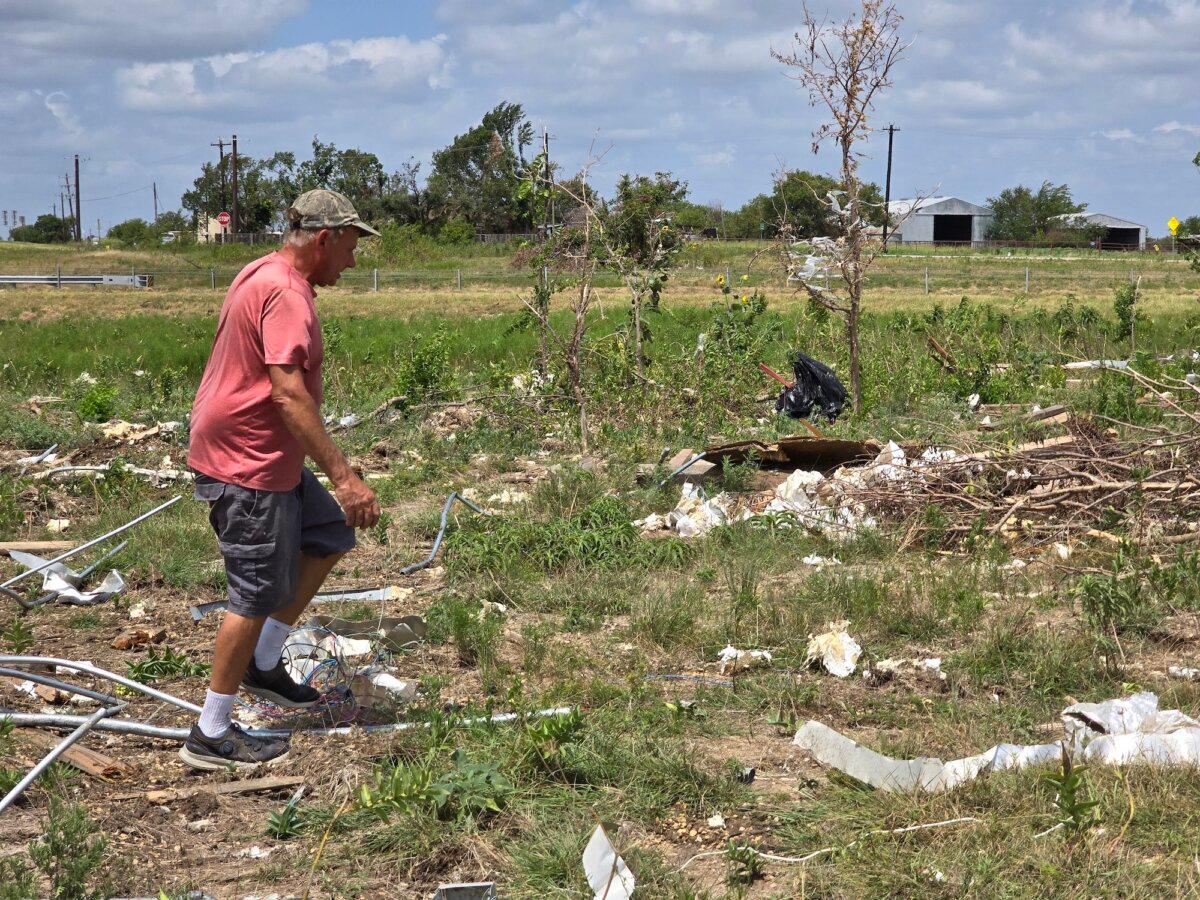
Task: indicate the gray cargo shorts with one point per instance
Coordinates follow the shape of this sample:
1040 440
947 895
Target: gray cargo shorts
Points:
261 534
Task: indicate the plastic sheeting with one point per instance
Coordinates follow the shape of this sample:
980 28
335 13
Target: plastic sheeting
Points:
1127 731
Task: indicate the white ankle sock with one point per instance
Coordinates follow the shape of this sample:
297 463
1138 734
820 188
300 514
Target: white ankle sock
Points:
217 714
270 643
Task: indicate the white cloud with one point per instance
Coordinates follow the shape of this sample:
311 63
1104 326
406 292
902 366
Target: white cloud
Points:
1174 127
59 105
396 66
717 158
1119 134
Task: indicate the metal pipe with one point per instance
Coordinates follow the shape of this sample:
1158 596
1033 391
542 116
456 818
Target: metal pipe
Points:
92 543
118 726
32 775
99 673
39 678
687 465
141 729
437 541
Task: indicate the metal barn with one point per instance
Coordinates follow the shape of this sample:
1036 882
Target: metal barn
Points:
1119 234
939 220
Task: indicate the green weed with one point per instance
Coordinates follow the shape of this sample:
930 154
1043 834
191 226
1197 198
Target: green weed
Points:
18 636
70 853
166 663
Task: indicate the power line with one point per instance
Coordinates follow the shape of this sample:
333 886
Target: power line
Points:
144 187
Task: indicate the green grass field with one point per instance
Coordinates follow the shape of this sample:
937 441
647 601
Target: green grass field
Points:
597 614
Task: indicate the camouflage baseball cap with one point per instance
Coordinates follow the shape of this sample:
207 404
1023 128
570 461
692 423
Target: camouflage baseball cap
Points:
325 209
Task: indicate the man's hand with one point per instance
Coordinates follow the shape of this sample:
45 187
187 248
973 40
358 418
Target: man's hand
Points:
357 501
303 419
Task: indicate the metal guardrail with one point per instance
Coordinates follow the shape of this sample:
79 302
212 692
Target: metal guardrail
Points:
59 280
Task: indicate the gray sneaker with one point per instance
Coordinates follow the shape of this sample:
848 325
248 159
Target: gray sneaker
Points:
235 749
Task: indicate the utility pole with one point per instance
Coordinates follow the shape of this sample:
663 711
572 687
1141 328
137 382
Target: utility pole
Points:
549 190
154 184
887 188
237 225
78 210
69 204
220 145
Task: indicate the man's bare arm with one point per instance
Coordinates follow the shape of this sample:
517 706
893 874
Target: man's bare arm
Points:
302 417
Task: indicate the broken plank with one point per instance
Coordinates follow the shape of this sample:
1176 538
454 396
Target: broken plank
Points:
249 786
88 761
34 546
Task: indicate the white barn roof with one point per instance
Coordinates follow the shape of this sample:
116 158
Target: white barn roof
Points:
1096 218
929 206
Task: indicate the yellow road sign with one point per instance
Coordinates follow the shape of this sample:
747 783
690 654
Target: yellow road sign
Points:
1173 224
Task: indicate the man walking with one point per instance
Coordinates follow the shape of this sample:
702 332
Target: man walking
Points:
256 417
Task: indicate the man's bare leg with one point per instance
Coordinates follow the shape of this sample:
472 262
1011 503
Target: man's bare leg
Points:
313 572
236 639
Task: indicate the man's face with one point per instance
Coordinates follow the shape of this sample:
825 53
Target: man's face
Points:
333 255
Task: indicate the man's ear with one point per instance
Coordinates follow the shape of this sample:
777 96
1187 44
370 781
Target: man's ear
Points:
322 238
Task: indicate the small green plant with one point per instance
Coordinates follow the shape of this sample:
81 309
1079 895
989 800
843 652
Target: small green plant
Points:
1076 813
68 854
286 823
1125 309
783 720
743 862
1118 602
17 880
18 636
8 777
547 737
423 369
685 710
97 404
165 664
468 790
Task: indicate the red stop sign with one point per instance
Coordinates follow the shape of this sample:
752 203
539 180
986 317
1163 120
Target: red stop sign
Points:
223 219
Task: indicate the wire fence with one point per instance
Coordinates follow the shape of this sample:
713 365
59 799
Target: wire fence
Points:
948 275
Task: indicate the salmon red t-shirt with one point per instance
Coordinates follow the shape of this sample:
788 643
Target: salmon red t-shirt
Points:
237 433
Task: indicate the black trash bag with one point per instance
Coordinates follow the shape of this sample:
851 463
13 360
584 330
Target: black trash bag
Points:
816 391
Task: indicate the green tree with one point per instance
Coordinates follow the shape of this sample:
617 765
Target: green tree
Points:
477 178
134 233
1022 214
643 244
48 229
259 191
1189 227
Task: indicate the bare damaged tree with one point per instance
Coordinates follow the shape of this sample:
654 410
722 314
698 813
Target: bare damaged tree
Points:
844 66
574 250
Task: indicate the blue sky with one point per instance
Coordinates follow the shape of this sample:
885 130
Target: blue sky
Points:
1101 96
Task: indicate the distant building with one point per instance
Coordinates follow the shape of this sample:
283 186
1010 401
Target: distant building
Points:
1118 233
939 220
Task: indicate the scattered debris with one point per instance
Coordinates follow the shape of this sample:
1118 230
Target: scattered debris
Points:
58 526
475 890
63 584
607 874
735 660
816 390
820 562
138 637
88 761
716 821
696 514
491 608
35 546
835 650
1188 673
885 669
1127 731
